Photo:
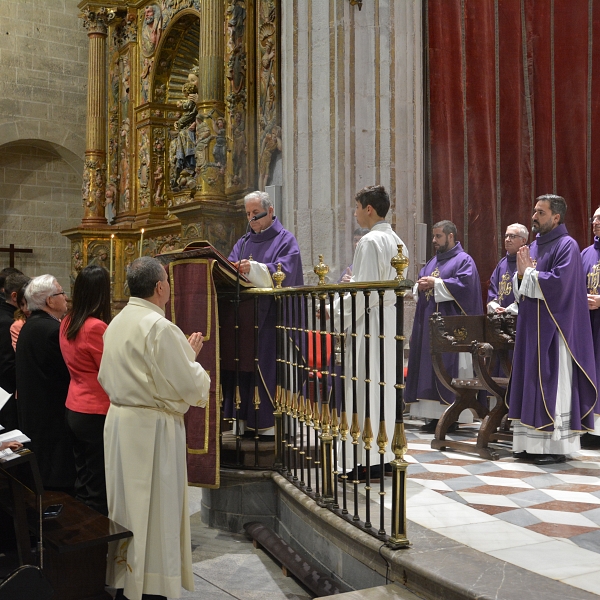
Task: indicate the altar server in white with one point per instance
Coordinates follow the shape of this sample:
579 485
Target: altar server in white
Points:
372 259
150 373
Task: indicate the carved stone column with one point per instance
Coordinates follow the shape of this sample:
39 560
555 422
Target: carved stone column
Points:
96 21
211 101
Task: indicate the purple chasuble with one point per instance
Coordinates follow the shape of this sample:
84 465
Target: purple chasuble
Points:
500 288
591 268
272 246
459 274
563 311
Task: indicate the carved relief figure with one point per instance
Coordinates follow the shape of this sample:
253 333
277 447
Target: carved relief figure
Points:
220 147
236 65
240 148
144 157
220 238
152 29
99 257
145 78
203 137
125 84
124 180
268 92
159 177
271 143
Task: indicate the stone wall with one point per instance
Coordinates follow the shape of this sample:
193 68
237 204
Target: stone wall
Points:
43 91
40 195
352 99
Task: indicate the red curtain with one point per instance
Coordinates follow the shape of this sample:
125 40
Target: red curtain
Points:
514 112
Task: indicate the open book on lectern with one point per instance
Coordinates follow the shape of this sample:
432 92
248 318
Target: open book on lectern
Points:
204 249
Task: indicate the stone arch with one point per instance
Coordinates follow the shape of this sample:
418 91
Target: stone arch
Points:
40 196
68 143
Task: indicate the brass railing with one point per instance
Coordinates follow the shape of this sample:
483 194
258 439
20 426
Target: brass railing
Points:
316 410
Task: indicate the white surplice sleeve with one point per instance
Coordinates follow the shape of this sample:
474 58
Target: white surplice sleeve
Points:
259 275
176 373
529 286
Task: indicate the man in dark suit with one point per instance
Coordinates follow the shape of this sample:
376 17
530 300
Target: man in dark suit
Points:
43 383
8 306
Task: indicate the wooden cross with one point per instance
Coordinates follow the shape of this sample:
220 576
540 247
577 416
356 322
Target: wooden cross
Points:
12 250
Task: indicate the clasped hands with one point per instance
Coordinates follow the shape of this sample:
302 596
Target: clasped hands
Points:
196 341
425 283
524 260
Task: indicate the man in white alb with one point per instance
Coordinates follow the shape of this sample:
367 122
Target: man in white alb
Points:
150 373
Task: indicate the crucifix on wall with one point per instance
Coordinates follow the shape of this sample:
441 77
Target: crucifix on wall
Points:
12 251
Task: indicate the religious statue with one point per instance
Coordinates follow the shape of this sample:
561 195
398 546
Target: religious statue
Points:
110 195
186 127
152 29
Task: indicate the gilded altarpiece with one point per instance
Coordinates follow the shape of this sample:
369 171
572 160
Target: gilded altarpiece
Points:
185 119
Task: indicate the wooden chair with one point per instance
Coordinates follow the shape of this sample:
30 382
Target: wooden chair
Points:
488 338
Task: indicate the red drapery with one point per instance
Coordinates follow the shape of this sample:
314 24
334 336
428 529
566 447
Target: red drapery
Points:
514 112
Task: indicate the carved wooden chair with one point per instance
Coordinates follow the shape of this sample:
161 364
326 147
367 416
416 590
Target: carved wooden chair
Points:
488 338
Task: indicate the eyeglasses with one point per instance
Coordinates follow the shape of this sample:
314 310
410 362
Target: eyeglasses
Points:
595 219
511 236
58 294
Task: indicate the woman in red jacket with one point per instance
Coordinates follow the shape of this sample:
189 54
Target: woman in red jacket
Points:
81 343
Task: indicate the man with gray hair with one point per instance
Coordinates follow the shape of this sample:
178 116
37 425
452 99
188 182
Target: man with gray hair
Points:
256 255
500 291
43 383
151 376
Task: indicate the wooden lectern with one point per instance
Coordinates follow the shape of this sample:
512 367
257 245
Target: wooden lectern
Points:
200 278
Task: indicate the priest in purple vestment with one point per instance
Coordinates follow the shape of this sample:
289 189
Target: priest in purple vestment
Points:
500 292
591 268
448 284
552 390
257 254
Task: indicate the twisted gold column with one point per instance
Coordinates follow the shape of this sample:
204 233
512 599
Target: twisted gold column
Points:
94 172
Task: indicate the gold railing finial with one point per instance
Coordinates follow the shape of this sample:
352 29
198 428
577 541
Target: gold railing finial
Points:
278 276
399 263
321 270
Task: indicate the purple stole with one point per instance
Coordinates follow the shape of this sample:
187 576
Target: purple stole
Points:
459 273
500 288
534 381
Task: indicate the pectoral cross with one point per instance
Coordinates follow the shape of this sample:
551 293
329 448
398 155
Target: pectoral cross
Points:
12 251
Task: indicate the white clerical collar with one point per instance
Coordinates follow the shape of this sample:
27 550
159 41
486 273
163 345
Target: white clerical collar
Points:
135 301
381 225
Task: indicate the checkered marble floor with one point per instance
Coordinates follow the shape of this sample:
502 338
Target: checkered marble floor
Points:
544 519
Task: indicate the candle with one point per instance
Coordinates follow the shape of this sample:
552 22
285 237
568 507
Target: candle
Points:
112 243
141 242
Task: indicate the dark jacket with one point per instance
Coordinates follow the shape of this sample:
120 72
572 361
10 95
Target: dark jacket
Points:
43 383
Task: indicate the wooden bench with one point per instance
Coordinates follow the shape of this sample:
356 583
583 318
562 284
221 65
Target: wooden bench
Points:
489 339
75 542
